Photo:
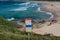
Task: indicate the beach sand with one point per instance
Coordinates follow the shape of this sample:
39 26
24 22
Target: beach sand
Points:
54 29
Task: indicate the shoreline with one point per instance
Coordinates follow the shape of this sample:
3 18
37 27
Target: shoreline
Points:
53 14
46 6
49 13
52 7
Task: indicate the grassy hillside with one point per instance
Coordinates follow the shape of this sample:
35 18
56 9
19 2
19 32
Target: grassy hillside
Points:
8 31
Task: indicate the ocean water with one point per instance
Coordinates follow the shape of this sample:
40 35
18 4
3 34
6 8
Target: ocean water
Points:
22 10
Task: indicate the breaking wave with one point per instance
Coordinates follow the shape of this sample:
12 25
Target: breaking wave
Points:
52 16
26 6
20 9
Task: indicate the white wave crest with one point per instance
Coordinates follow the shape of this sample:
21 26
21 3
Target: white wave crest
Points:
27 5
38 9
24 3
20 9
11 19
50 14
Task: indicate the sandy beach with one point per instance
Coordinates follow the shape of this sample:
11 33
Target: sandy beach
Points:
54 28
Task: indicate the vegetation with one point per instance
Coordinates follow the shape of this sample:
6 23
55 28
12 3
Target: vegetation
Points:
8 31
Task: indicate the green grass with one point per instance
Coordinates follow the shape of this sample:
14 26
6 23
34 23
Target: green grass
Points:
8 31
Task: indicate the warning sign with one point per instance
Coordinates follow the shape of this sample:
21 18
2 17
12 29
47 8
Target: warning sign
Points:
28 23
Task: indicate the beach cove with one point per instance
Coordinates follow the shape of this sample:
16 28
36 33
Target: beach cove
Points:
37 12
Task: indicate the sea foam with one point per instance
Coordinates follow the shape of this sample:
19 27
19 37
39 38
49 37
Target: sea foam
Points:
50 14
25 6
20 9
10 19
38 9
24 3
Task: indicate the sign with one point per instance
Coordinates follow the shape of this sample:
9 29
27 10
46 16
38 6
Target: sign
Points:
28 24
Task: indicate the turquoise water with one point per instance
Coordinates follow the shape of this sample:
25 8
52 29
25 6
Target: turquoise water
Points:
21 10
